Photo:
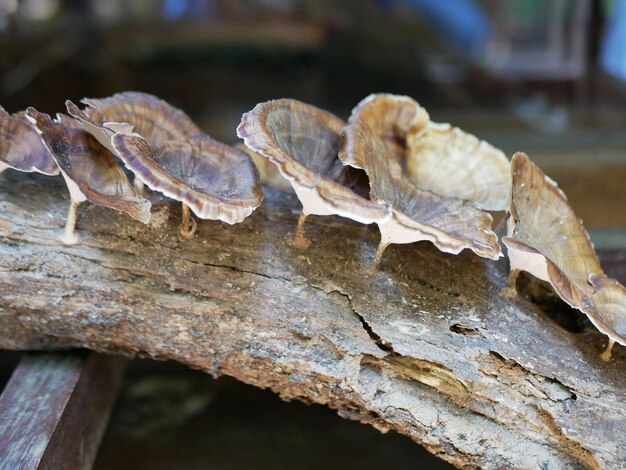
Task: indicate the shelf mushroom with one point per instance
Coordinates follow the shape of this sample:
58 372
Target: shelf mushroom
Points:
546 239
303 142
21 148
90 171
451 224
439 157
212 179
393 118
152 118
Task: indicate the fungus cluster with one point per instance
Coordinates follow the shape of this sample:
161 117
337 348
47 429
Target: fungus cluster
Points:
159 144
431 181
389 164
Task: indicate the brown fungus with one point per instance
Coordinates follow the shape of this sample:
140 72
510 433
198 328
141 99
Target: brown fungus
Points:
451 224
451 162
21 148
133 112
90 171
546 239
393 118
212 179
303 142
437 156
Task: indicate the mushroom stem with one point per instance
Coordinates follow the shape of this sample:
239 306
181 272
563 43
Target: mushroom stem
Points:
69 236
501 227
511 285
375 265
185 229
606 354
300 240
138 184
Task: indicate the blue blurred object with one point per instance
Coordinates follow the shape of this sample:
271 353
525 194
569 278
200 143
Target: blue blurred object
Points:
613 48
460 23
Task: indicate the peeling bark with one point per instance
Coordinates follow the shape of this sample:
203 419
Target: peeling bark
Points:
428 346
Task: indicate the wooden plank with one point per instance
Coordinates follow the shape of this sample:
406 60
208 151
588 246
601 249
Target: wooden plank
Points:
55 408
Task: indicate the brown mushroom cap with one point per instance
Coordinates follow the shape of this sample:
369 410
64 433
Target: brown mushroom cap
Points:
90 170
451 224
449 161
438 157
21 148
215 180
303 142
606 307
153 118
393 118
543 223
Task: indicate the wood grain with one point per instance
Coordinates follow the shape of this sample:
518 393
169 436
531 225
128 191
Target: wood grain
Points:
55 408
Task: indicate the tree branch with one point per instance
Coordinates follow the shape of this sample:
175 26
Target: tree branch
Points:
427 346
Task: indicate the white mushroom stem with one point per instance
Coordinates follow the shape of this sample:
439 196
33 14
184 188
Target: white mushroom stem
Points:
300 240
138 184
606 354
69 236
188 224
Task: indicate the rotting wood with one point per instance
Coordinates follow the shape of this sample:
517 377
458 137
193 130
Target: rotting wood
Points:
428 346
55 408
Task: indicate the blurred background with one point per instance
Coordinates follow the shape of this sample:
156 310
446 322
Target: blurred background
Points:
544 76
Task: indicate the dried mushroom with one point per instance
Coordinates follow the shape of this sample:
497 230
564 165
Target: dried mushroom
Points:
546 239
438 157
90 170
451 162
153 118
212 179
21 148
449 223
303 142
393 118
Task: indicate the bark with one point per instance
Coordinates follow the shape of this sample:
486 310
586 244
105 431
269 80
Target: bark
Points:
428 346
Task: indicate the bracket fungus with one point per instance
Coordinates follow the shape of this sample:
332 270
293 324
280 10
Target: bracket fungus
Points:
214 180
546 239
21 148
451 224
303 142
154 119
90 171
451 162
392 118
437 156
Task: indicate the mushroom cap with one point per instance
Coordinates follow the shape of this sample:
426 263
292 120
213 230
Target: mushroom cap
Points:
542 222
154 119
393 118
90 170
450 223
215 180
21 148
303 142
438 157
449 161
606 307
